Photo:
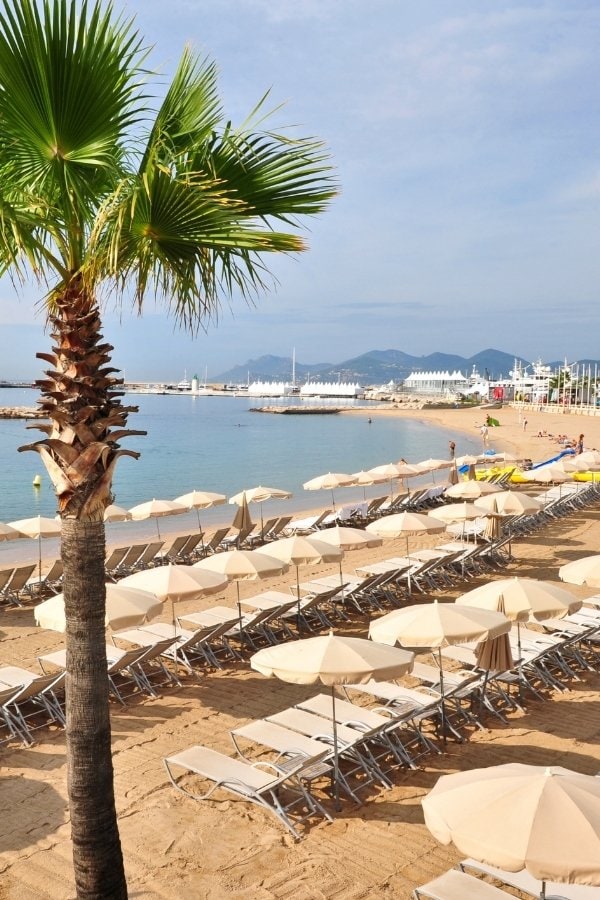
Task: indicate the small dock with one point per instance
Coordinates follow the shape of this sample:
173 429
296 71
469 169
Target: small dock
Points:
298 410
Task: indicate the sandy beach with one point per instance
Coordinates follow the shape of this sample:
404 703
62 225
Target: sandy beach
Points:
226 848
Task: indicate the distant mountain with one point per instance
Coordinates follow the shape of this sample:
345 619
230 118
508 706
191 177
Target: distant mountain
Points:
379 367
373 367
269 368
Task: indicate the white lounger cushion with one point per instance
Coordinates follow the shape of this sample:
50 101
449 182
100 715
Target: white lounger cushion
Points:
455 885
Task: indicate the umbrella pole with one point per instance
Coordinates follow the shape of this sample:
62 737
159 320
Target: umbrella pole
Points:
444 735
543 890
336 762
40 559
157 529
332 500
239 606
409 567
298 595
200 529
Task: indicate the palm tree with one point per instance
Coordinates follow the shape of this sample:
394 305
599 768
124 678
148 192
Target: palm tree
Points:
99 192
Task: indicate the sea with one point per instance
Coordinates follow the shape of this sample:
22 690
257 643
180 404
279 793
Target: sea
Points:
216 443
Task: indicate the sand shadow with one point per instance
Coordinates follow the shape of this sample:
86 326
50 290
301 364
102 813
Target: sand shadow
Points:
20 830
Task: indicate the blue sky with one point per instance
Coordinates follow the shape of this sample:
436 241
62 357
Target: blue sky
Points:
465 137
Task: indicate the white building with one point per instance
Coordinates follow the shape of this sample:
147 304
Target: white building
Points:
330 389
440 383
270 389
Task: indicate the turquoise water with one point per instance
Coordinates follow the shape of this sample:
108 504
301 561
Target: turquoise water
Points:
217 444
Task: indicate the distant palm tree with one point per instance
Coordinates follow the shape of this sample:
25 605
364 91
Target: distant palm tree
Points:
98 191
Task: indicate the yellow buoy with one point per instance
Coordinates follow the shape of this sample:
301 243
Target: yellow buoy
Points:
37 481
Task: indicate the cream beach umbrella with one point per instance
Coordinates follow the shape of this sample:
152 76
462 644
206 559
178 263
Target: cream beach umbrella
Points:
582 571
521 600
544 819
242 565
391 471
435 625
201 500
331 660
592 457
242 519
455 512
469 460
300 551
434 465
175 583
471 490
329 482
347 539
156 509
405 525
38 527
509 503
259 495
125 607
8 533
114 513
551 474
366 479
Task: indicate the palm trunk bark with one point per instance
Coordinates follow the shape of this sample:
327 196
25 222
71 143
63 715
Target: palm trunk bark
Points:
81 398
99 871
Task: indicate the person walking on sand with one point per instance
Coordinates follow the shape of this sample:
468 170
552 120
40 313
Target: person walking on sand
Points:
484 434
452 448
524 424
579 445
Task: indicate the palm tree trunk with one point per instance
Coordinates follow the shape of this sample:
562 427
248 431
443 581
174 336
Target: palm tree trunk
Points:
81 398
97 856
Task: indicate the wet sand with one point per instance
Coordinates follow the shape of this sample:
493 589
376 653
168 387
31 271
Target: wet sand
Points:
226 848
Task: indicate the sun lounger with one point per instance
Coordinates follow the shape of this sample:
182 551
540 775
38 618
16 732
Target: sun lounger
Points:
149 557
113 561
17 584
33 696
306 525
259 783
527 884
186 647
123 669
456 885
214 544
291 748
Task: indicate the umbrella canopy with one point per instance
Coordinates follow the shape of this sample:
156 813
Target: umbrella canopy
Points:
545 820
522 599
241 565
469 460
332 659
389 471
176 583
455 512
242 519
432 465
8 533
329 482
471 490
347 538
156 509
403 524
551 474
582 571
298 551
592 457
114 513
365 478
200 500
125 607
38 527
434 625
509 503
260 494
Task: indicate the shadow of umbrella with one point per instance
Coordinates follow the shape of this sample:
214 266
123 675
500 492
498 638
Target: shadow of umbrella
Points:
21 831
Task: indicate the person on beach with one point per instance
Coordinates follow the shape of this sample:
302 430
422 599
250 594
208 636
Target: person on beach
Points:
524 424
484 434
452 448
579 445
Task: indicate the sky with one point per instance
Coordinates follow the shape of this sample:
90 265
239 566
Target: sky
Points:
465 141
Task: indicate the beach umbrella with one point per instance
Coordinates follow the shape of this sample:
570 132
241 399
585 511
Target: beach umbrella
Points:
591 457
200 500
242 519
114 513
455 512
173 582
471 490
332 660
390 471
551 474
582 571
453 478
125 607
259 495
434 465
544 819
521 600
404 525
37 527
8 533
329 482
366 479
435 625
299 551
242 565
156 509
469 460
347 539
509 503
